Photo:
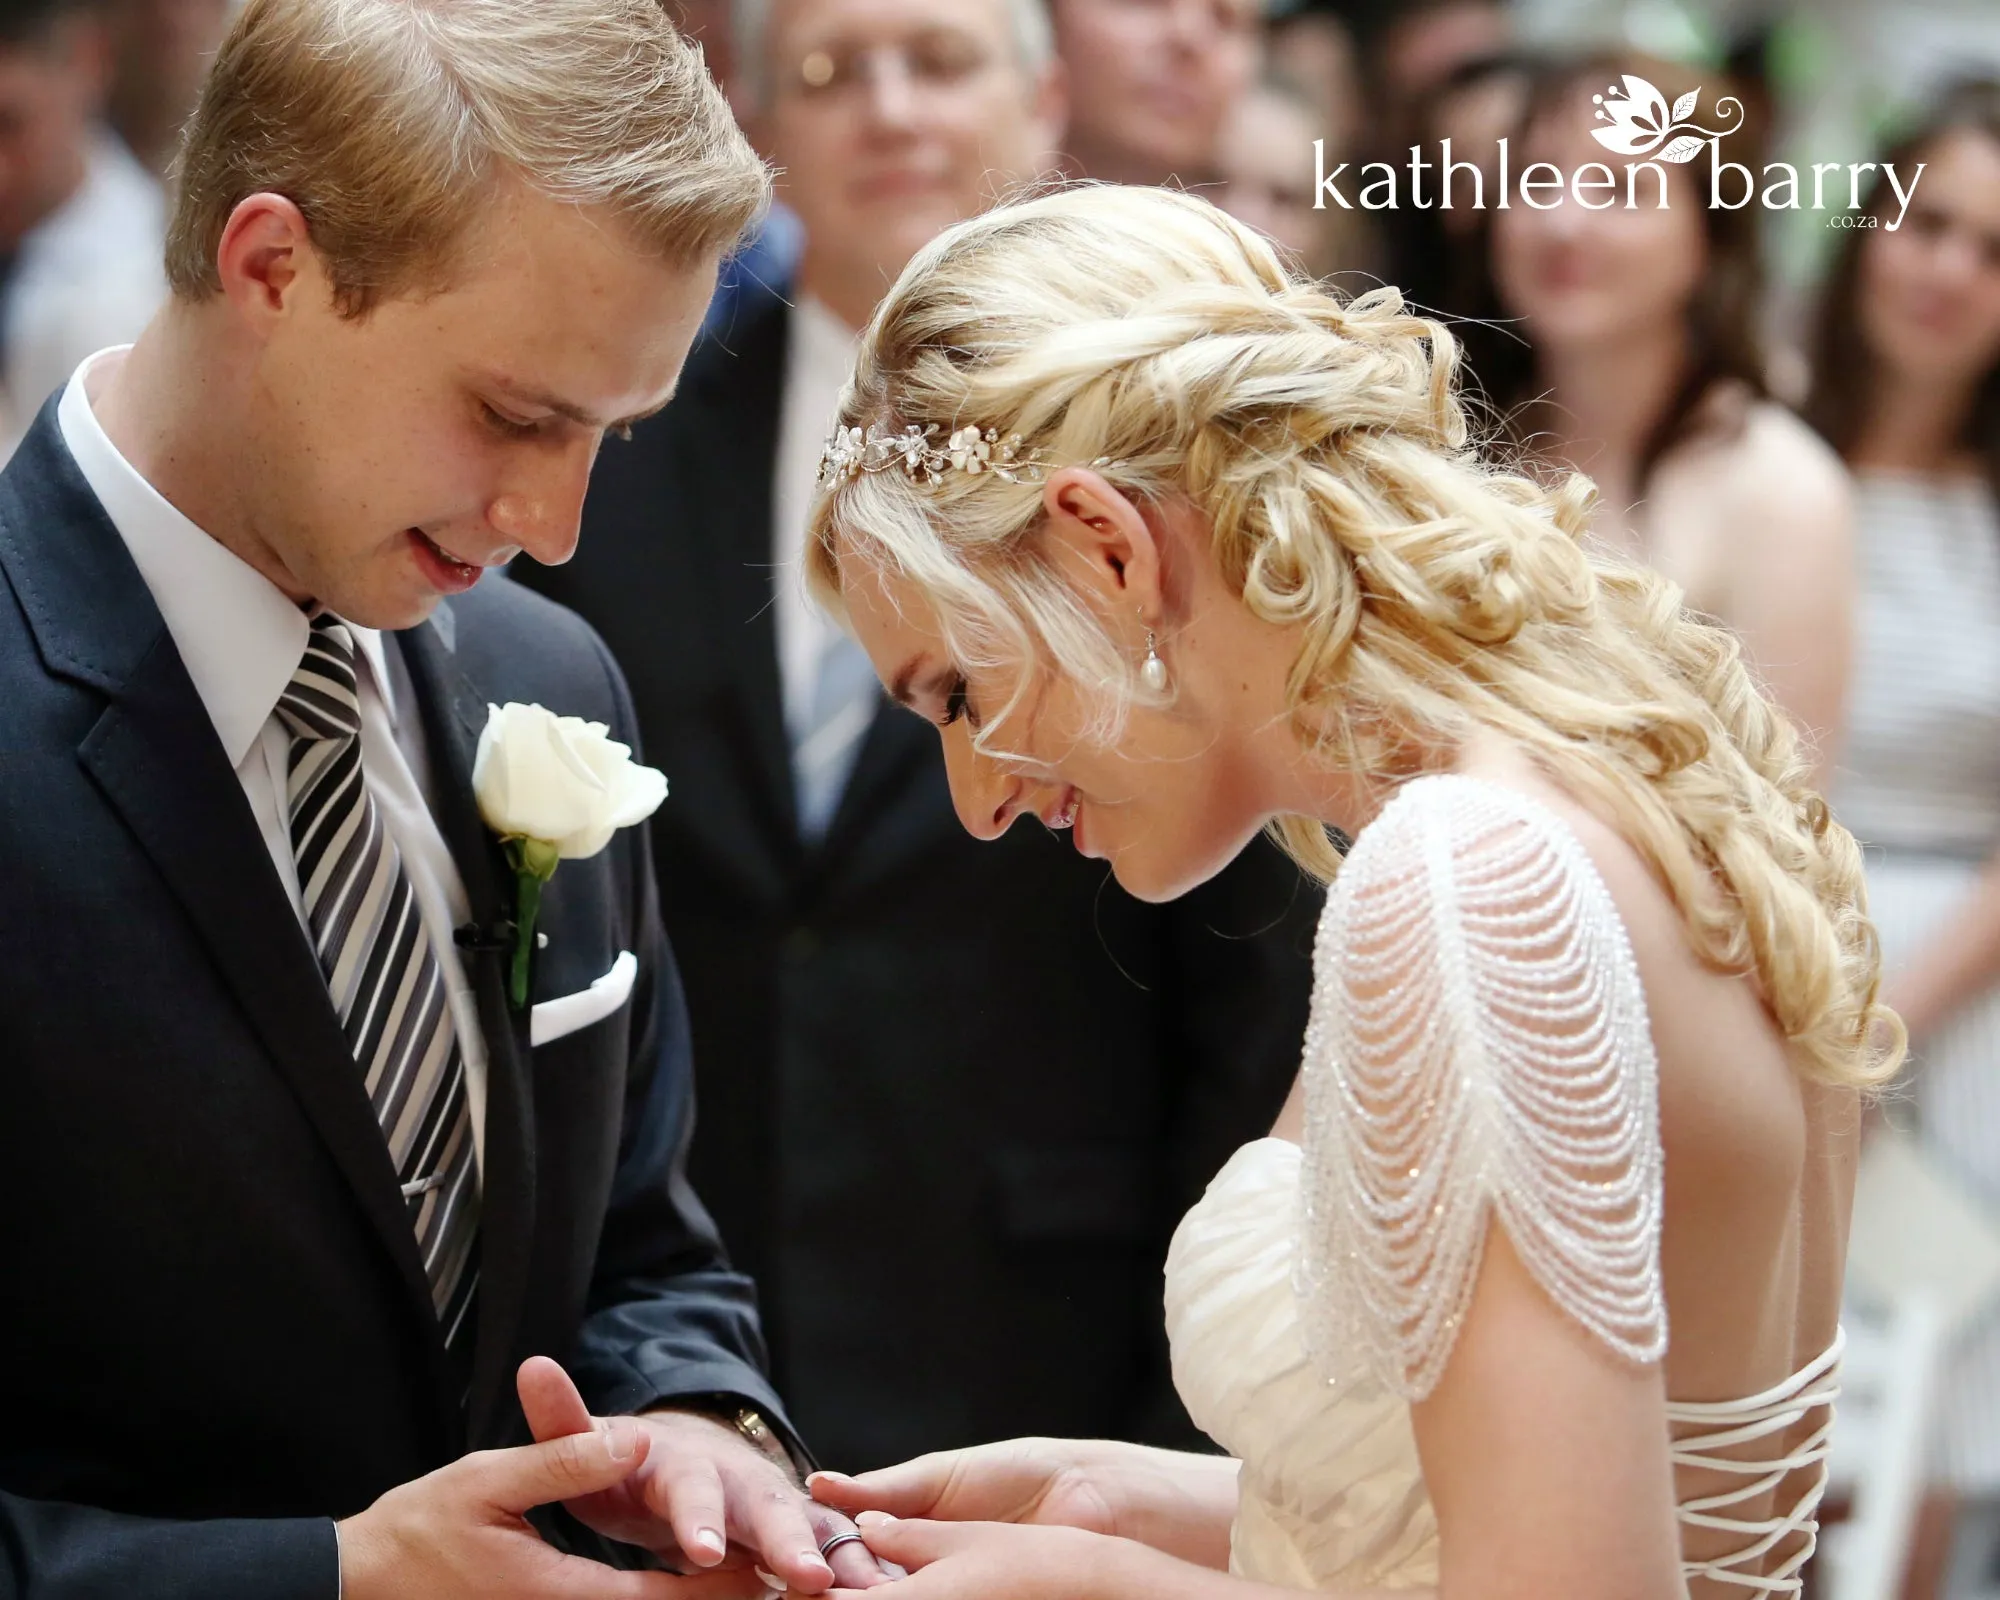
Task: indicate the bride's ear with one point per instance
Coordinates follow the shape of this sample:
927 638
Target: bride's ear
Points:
1105 540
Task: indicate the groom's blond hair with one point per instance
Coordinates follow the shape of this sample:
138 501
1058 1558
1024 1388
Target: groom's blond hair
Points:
390 123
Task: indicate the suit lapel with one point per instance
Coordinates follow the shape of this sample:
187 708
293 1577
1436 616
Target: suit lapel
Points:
896 744
453 714
154 755
739 393
742 393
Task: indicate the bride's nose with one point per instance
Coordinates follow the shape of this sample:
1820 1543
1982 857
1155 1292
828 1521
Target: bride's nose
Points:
987 795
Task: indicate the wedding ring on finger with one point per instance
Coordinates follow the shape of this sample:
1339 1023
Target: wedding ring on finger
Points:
829 1545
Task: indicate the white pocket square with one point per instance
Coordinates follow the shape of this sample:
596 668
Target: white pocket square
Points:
552 1019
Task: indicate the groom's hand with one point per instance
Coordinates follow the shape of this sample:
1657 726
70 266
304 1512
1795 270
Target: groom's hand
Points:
461 1533
705 1498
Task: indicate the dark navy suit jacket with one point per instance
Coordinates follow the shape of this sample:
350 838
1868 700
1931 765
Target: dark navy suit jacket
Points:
215 1332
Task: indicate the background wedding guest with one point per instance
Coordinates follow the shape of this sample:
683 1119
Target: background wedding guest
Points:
1265 162
1908 390
1151 83
160 50
1412 49
950 1148
81 223
770 252
1309 45
1436 253
1636 359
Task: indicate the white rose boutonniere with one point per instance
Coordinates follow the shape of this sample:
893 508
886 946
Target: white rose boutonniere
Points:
555 789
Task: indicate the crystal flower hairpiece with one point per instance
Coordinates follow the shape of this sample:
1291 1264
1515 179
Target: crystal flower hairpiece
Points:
853 451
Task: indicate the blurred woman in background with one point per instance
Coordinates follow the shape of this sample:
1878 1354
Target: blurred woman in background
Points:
1635 358
1907 389
1266 163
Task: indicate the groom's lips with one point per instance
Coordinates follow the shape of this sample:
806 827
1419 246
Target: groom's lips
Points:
443 572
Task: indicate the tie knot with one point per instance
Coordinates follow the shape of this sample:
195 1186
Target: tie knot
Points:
321 701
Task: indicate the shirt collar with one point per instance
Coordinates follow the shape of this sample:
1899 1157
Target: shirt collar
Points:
240 638
822 346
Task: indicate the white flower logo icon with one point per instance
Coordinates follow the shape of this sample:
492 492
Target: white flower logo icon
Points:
1642 124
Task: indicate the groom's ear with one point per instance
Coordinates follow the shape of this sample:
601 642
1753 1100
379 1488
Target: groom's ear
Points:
1103 540
264 257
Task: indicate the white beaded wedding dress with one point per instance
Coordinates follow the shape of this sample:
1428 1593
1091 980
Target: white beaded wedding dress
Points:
1479 1046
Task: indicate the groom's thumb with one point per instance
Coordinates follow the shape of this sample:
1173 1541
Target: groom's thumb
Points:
578 1464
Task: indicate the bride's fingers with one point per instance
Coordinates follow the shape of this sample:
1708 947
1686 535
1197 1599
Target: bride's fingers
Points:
914 1544
912 1489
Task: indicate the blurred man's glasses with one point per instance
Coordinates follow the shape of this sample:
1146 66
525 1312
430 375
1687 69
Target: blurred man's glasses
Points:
939 59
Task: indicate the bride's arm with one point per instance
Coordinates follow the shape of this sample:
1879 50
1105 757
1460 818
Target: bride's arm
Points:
1170 1500
1012 1561
1545 1454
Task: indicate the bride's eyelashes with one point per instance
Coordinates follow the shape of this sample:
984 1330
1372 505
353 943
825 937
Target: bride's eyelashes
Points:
956 705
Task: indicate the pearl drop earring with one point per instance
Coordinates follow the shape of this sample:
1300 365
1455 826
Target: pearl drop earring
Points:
1153 671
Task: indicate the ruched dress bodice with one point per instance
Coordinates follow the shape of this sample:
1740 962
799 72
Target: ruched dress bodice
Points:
1331 1492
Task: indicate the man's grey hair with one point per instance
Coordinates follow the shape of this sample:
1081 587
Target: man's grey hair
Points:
750 21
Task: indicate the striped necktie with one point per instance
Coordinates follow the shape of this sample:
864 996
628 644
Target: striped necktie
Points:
387 986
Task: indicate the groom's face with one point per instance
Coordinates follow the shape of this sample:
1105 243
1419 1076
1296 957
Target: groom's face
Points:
400 454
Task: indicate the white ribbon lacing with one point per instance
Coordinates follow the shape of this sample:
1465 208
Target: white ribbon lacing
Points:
1727 1424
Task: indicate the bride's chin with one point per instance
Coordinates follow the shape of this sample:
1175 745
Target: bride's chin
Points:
1154 880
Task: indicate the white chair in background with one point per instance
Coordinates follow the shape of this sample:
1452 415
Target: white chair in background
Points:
1923 1261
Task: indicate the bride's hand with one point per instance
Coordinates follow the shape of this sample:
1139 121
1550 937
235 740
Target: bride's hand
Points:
1042 1481
992 1561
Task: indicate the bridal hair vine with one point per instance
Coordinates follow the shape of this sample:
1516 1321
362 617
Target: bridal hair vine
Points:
853 451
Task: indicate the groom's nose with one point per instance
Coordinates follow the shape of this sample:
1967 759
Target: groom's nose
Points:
540 507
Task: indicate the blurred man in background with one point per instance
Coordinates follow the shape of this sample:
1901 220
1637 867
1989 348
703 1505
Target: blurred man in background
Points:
950 1152
81 223
160 51
1152 83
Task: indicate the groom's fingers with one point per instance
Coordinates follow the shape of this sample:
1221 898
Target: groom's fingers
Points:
772 1521
687 1495
854 1564
910 1489
550 1400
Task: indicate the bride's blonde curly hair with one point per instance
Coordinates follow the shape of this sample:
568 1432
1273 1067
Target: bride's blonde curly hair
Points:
1435 593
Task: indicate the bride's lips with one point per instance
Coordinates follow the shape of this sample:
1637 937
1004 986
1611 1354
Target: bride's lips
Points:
443 571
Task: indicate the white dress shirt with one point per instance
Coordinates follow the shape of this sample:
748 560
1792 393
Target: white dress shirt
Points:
241 641
819 356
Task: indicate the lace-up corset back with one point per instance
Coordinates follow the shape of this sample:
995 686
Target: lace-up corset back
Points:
1479 1048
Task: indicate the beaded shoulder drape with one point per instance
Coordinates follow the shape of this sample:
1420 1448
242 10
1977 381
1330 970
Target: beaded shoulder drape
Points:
1479 1047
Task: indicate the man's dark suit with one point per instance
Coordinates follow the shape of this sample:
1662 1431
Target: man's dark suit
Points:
954 1094
212 1304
